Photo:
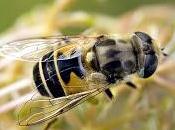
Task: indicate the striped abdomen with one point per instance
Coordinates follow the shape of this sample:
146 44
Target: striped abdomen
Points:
53 76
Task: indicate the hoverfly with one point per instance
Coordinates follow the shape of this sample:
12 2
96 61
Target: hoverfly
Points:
72 69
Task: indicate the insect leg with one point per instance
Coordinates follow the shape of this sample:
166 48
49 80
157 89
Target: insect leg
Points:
131 84
109 94
49 125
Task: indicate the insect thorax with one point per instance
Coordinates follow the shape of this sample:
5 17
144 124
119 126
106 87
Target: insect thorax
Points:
113 58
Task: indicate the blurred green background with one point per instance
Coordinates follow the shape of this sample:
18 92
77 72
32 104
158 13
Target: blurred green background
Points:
10 10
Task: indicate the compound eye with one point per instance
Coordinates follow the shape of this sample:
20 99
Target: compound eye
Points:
145 41
142 43
144 37
150 65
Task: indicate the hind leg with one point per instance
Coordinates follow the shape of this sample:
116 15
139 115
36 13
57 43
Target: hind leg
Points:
49 125
109 94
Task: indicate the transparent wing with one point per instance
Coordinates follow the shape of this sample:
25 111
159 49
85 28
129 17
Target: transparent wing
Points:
41 109
32 49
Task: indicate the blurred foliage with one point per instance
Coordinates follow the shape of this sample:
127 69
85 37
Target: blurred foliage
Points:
10 10
113 7
150 107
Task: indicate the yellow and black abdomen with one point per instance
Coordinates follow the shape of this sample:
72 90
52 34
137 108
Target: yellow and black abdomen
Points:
60 74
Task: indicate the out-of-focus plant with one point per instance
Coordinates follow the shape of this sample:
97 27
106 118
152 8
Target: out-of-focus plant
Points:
151 106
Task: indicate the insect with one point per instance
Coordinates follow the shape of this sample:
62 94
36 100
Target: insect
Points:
72 69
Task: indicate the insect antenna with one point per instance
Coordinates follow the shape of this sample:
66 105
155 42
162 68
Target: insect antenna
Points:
164 54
